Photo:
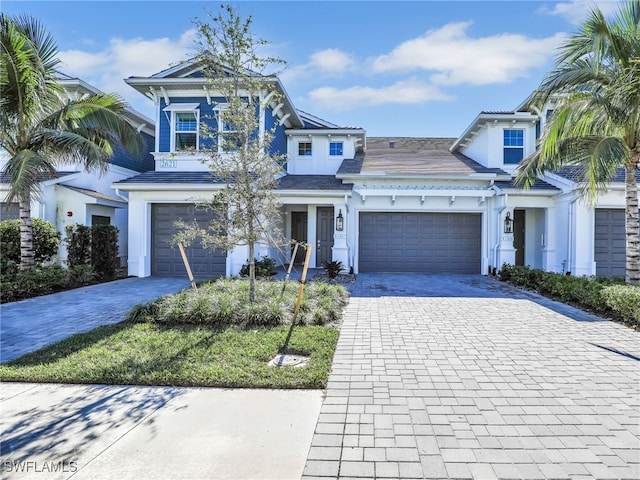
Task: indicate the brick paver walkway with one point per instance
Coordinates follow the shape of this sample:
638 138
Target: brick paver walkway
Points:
31 324
459 386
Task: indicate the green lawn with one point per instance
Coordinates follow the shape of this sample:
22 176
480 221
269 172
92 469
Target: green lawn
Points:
187 355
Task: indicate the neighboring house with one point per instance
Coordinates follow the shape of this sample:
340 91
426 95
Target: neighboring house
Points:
75 196
424 205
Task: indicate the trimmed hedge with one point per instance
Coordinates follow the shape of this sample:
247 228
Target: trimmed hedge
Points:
624 299
602 295
96 246
46 241
43 280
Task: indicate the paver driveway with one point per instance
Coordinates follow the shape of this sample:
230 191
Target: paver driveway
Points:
465 377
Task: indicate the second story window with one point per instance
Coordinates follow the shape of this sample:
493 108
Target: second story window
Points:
186 131
304 149
184 121
227 131
513 146
335 149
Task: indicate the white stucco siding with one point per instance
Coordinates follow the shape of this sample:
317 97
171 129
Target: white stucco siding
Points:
487 146
478 148
319 162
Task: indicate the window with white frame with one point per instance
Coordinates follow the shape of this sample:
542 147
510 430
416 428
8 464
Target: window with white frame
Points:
304 149
185 131
513 146
226 131
335 149
184 120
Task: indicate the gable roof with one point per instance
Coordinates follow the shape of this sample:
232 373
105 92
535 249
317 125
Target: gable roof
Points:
485 117
409 156
78 87
188 76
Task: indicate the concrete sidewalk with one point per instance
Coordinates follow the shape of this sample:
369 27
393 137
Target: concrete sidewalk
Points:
121 432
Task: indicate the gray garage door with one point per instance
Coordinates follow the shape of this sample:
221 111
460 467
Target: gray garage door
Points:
166 260
420 242
610 242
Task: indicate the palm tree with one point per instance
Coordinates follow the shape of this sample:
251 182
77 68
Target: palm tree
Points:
596 126
39 128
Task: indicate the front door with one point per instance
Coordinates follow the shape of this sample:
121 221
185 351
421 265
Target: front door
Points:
518 235
299 234
324 235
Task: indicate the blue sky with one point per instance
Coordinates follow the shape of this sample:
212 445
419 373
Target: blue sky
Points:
417 68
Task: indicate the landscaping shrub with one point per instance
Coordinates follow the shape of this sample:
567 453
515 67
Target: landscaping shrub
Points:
332 269
96 246
78 245
585 292
225 302
40 281
104 250
264 268
46 241
624 299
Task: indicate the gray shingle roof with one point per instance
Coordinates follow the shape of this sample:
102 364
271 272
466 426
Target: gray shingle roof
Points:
537 185
572 173
172 177
312 182
4 178
413 156
94 194
288 182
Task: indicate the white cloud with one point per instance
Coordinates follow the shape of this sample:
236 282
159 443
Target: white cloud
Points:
123 58
455 58
411 91
576 11
331 62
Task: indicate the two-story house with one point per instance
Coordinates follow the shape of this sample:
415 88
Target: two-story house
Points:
424 205
75 196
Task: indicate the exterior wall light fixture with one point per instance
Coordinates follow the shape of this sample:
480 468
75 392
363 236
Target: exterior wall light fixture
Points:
508 223
339 222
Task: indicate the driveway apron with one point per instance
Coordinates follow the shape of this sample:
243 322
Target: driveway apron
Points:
31 324
465 377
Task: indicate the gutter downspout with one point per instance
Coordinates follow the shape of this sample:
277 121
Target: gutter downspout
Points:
349 249
126 199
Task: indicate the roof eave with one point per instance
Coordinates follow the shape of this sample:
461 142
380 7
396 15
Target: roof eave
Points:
142 120
483 118
143 84
421 176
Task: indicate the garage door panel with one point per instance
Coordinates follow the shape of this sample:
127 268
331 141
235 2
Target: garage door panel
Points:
166 259
429 242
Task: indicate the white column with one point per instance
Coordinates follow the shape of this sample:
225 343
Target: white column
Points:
506 252
549 247
340 253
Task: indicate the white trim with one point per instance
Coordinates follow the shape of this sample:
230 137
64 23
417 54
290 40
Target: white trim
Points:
181 107
172 129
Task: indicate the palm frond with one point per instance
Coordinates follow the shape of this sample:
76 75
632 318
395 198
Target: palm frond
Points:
26 170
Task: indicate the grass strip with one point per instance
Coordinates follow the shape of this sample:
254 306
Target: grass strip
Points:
180 355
